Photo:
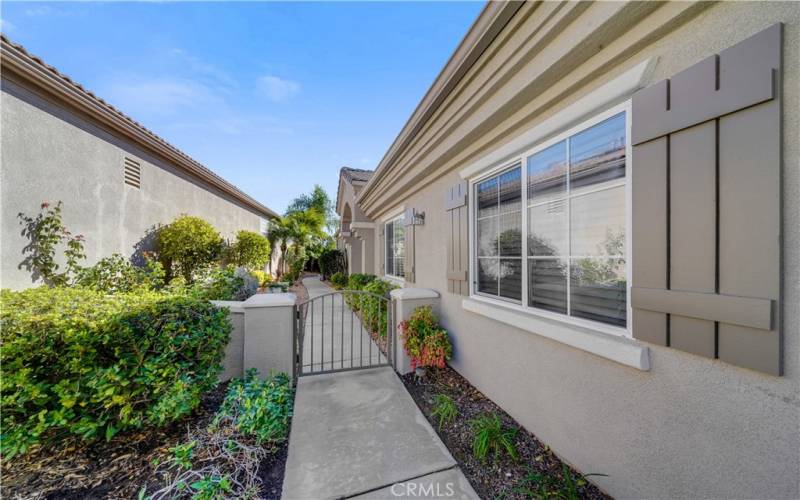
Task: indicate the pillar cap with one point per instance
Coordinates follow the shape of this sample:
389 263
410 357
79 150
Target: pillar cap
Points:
270 300
413 293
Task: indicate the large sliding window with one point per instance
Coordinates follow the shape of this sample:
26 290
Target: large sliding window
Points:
395 233
573 191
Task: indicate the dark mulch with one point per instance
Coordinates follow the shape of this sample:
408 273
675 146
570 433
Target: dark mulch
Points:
121 467
494 478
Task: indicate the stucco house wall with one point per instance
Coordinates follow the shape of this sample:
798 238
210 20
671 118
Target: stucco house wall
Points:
690 426
51 154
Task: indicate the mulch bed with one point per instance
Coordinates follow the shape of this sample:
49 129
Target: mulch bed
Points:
494 478
121 467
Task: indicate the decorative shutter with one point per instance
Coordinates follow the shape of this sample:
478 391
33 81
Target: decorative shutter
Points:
408 222
457 223
706 207
382 248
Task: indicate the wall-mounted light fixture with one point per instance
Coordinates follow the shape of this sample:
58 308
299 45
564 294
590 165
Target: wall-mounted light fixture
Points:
419 218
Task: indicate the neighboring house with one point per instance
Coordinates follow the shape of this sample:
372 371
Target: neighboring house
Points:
357 233
117 180
606 197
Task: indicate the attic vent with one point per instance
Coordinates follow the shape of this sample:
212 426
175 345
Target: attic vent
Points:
133 173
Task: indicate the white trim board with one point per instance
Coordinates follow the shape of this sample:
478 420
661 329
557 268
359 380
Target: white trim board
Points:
614 347
616 90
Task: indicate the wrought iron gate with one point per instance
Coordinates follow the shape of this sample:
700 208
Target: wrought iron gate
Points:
341 331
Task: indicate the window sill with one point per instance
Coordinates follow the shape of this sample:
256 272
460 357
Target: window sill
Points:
616 348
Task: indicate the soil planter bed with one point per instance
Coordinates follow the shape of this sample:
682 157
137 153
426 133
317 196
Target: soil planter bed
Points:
494 477
120 468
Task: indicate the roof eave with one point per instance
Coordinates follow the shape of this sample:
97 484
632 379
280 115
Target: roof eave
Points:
30 72
491 20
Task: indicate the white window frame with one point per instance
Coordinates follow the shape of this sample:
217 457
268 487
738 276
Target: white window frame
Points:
396 218
520 158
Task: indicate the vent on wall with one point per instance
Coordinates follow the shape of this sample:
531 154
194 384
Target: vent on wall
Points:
133 173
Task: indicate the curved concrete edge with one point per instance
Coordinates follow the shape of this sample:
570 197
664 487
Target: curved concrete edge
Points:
270 300
414 293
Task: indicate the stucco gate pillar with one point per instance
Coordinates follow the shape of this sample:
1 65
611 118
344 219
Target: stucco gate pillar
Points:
269 333
405 301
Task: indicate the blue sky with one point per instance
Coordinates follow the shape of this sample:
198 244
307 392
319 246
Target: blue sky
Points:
275 97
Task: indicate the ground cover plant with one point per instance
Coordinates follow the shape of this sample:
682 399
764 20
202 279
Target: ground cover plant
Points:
222 459
535 473
89 364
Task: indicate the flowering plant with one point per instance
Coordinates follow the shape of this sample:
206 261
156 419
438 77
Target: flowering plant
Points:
425 342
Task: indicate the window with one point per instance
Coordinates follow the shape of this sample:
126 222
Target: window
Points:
395 247
573 192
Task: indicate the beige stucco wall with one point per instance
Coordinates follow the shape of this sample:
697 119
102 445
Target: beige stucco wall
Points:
48 154
689 427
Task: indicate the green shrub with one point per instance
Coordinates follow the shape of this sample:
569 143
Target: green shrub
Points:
492 436
262 277
374 310
296 258
116 274
225 283
259 408
81 362
425 342
331 262
250 250
444 409
357 281
339 280
188 245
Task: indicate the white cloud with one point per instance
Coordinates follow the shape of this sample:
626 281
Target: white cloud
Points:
277 89
7 26
39 11
160 96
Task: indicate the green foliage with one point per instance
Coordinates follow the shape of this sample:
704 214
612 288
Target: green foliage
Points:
188 245
225 283
357 281
76 361
374 310
425 342
332 261
318 201
296 259
250 250
262 277
261 409
115 274
444 409
45 232
211 488
339 280
543 486
492 436
182 454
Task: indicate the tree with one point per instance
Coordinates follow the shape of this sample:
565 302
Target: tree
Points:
317 200
187 245
250 250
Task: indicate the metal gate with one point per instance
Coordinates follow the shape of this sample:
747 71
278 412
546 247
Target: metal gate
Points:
341 331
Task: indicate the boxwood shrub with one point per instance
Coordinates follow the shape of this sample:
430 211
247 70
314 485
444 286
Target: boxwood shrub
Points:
81 362
374 310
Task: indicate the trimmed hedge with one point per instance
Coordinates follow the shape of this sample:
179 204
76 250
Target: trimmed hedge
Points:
81 362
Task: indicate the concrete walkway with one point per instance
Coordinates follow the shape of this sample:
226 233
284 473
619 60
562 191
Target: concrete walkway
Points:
359 434
334 336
